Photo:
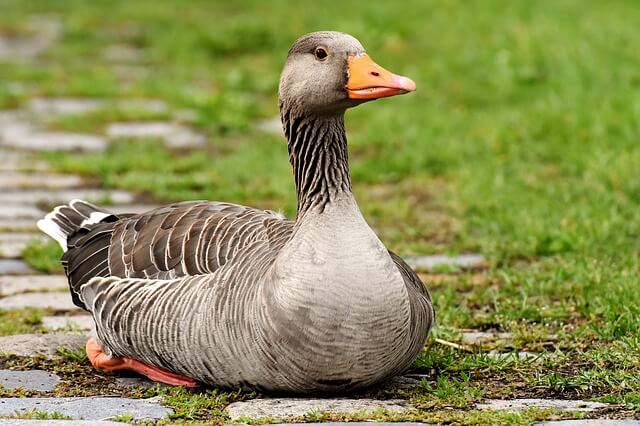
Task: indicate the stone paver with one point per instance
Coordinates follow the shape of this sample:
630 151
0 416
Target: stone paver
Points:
14 267
429 263
174 135
17 224
479 337
526 403
592 422
20 211
63 106
286 407
45 344
32 422
13 161
63 196
86 408
74 322
13 243
57 141
43 32
30 180
37 380
60 301
353 424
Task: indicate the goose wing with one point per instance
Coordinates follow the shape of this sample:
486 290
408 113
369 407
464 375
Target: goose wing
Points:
183 239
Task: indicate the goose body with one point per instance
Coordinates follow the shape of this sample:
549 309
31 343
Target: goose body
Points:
238 297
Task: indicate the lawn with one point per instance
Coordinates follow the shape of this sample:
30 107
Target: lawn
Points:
522 143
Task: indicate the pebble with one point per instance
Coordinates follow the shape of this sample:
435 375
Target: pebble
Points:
515 405
37 380
46 300
14 267
86 408
287 407
74 322
12 285
45 344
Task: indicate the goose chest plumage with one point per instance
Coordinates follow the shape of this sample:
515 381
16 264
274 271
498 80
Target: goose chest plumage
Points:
238 297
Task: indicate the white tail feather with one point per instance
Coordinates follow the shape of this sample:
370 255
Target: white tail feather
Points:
47 226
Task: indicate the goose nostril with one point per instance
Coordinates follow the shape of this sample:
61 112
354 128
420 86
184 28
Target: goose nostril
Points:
375 73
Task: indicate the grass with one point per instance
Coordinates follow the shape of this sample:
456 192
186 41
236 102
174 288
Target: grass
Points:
22 321
43 256
521 143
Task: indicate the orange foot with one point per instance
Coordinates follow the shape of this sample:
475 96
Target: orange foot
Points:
102 362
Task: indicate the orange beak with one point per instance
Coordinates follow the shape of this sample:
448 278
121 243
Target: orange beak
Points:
368 80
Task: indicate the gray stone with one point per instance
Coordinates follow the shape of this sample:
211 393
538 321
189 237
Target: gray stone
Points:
592 422
13 243
33 422
429 263
91 408
63 196
14 267
42 33
63 106
272 126
479 337
13 224
22 211
14 161
57 141
353 424
45 344
37 380
46 300
515 405
11 285
17 180
173 135
280 408
149 105
72 323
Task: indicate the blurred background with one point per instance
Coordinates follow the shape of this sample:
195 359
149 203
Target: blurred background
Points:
522 142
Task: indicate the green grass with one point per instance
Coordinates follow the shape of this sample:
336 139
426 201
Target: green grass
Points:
44 257
22 321
520 143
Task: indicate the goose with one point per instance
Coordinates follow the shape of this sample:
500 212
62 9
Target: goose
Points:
236 297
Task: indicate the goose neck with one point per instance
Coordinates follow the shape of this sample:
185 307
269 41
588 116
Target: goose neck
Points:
319 157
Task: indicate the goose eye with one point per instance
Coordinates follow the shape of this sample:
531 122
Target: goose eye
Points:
321 53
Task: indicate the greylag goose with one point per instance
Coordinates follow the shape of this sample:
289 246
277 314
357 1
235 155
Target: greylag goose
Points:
237 297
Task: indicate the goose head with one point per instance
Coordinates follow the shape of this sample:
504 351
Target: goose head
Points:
327 72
